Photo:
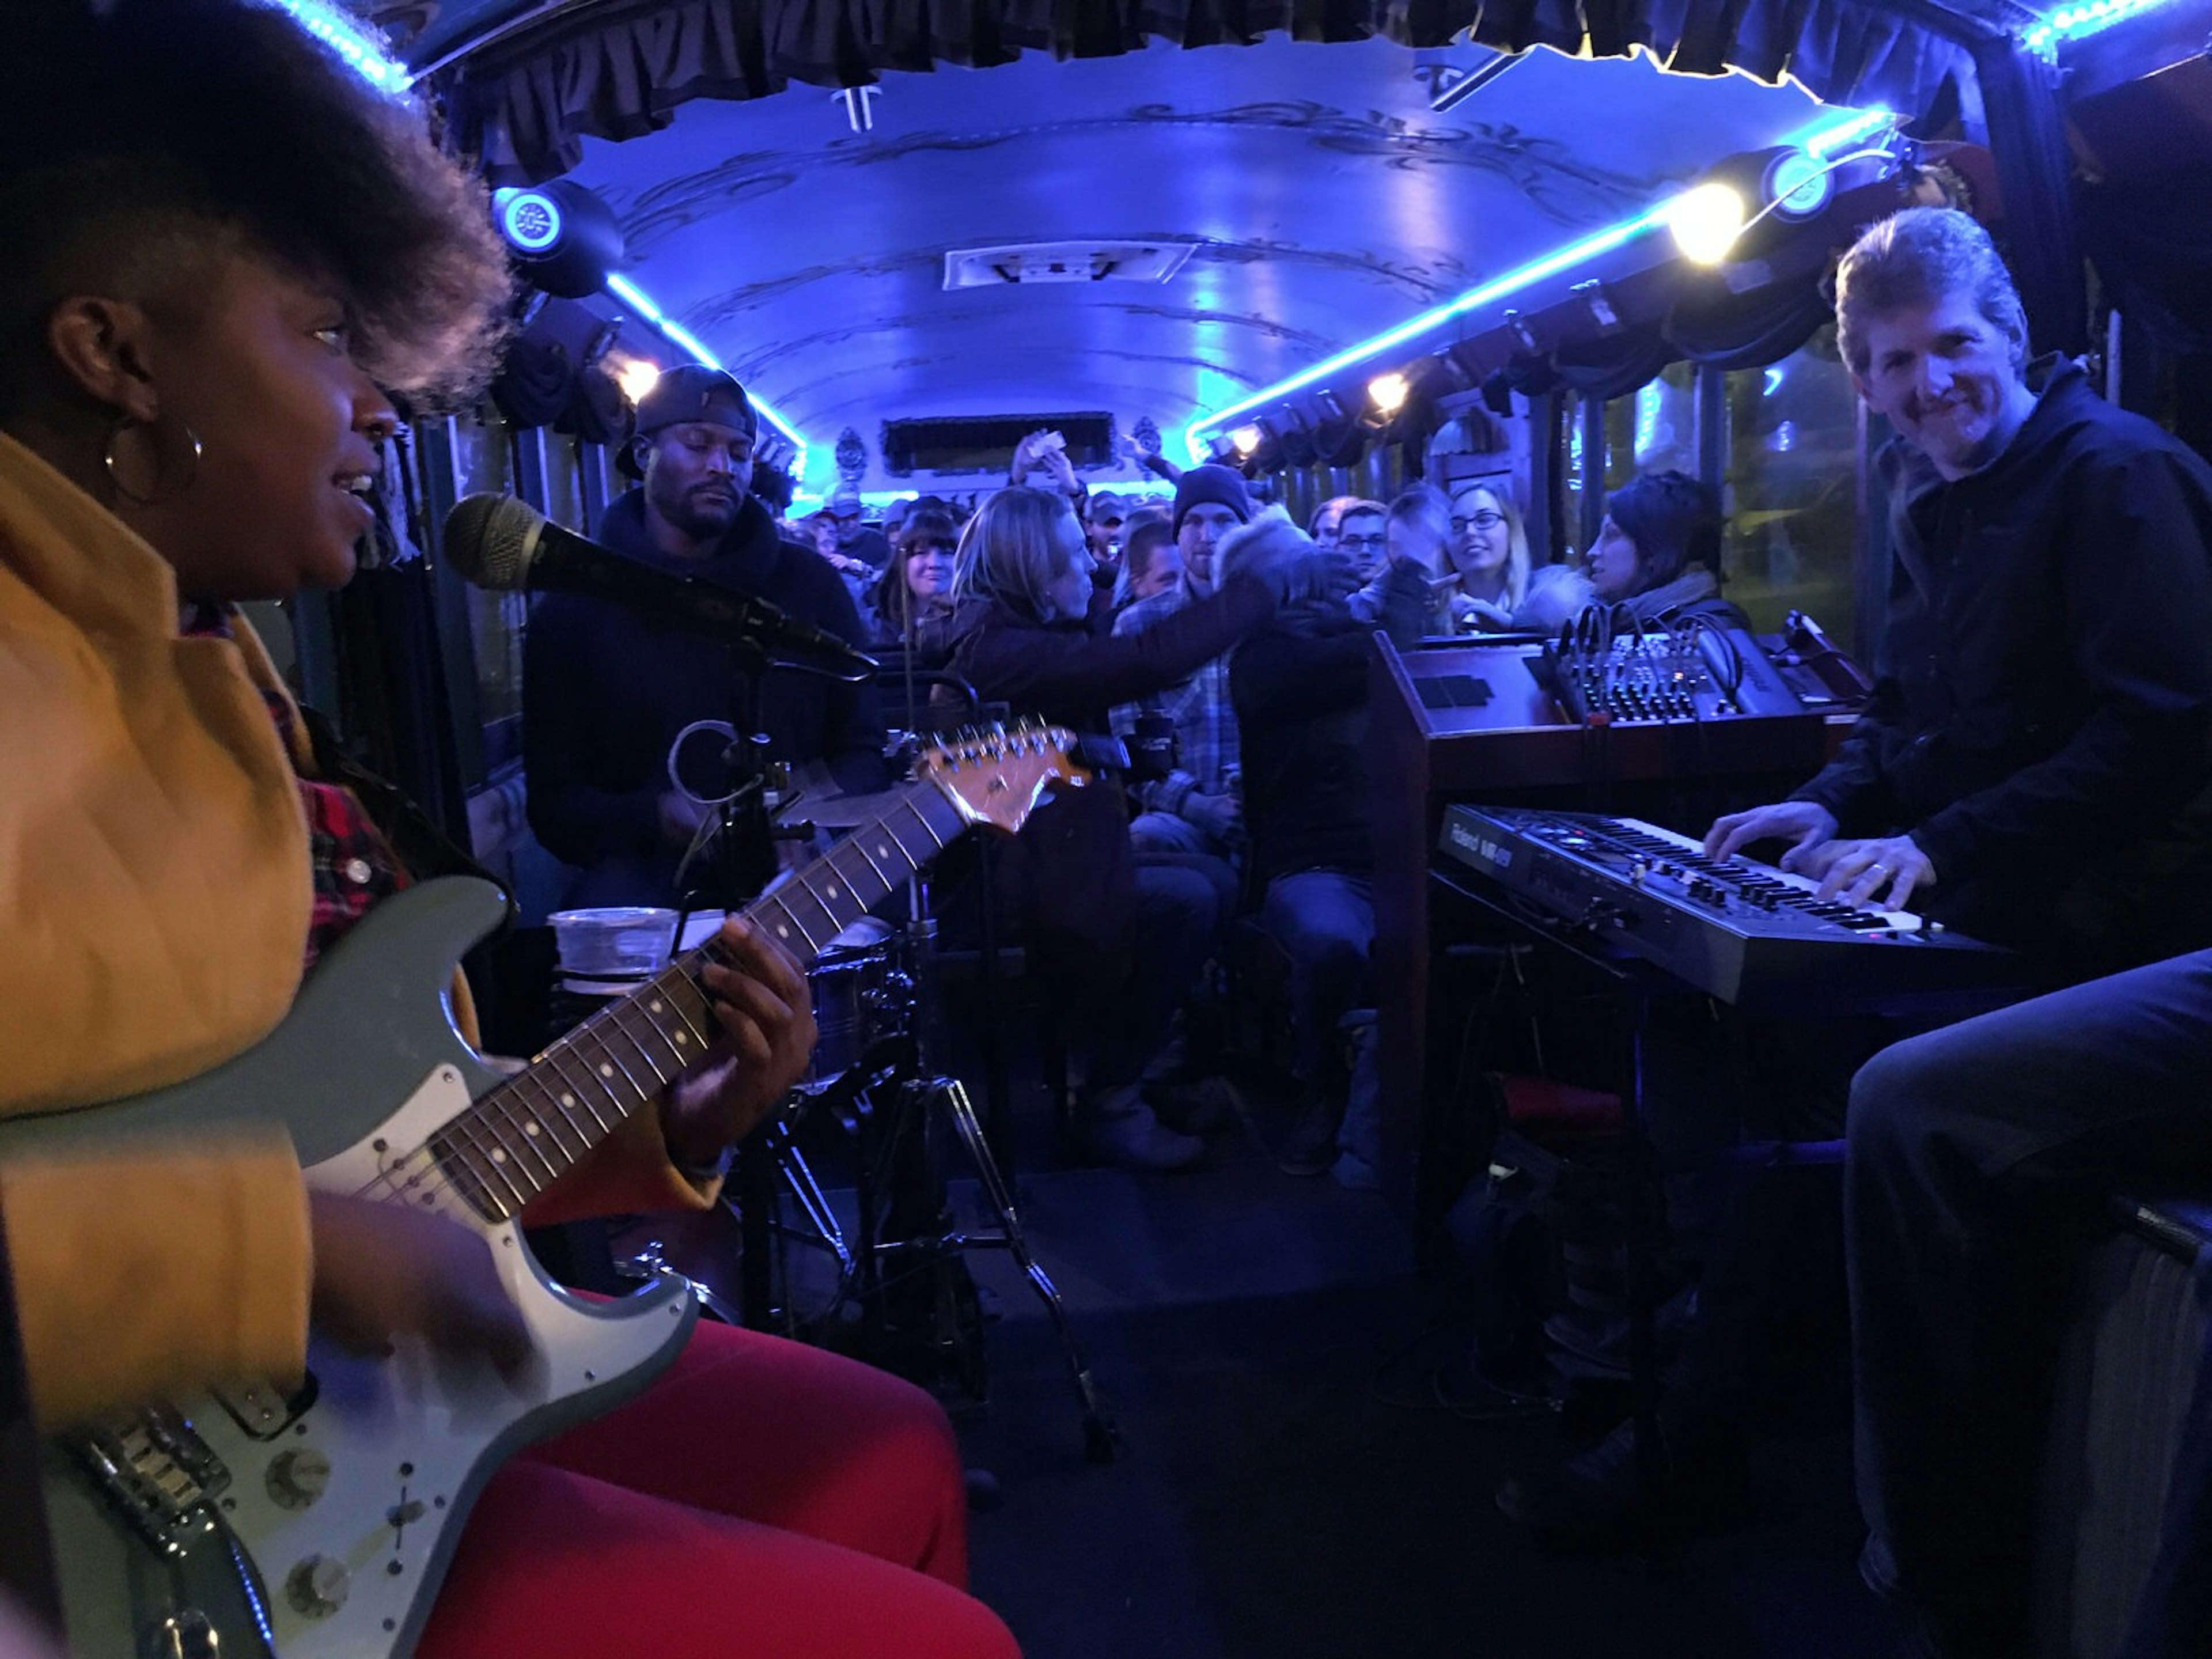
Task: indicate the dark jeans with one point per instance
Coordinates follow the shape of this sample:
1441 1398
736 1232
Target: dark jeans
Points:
1324 920
1178 919
1980 1160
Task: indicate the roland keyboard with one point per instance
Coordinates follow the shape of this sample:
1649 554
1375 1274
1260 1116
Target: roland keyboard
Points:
1745 932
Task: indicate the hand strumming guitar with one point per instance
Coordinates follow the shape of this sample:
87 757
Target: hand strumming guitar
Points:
383 1270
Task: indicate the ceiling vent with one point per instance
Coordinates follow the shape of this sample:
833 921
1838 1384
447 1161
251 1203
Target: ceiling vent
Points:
1064 262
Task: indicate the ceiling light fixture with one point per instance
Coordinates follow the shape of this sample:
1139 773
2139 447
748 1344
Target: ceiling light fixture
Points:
1246 438
2072 22
1196 437
1705 221
628 292
637 376
364 52
1387 392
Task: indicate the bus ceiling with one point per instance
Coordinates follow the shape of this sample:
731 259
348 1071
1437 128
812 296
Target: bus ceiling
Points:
1232 238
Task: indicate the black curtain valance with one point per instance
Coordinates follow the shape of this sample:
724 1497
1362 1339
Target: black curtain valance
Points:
619 72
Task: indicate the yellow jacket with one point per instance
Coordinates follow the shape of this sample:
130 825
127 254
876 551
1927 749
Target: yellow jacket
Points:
155 892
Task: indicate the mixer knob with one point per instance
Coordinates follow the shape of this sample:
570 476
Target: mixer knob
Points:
316 1585
298 1477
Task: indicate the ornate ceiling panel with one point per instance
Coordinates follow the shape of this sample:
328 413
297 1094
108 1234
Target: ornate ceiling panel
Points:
1323 197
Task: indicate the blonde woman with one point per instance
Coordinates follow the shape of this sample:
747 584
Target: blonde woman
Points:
1489 552
1116 939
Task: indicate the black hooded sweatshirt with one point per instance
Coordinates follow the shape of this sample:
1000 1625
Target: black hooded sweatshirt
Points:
606 688
2042 719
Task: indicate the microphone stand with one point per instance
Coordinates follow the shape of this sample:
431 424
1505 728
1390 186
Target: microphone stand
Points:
746 864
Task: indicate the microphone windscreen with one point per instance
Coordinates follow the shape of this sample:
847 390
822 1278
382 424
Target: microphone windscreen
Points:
492 539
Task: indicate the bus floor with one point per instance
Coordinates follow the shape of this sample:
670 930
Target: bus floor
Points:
1300 1478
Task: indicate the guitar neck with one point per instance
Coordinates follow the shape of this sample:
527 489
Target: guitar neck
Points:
523 1136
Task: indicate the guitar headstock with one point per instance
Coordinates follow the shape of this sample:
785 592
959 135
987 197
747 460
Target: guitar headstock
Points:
997 775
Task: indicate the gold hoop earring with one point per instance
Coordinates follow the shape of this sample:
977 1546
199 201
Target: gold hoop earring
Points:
156 496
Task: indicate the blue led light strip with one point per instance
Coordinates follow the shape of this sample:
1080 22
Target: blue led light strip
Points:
2072 22
352 40
631 294
1819 140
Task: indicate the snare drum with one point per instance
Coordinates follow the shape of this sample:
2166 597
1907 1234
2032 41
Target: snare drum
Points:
851 992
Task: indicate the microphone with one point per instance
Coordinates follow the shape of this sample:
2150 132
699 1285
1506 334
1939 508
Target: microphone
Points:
508 546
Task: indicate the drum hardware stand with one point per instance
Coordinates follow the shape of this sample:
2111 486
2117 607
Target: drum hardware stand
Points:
900 1110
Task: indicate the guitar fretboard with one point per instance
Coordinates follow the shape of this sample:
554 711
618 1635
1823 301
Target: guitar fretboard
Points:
523 1136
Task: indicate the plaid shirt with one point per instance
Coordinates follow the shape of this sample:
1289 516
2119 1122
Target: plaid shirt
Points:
1205 720
353 867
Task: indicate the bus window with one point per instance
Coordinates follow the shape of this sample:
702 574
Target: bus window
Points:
484 459
1654 429
1792 440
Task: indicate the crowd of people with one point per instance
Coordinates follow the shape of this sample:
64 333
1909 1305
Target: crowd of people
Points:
205 339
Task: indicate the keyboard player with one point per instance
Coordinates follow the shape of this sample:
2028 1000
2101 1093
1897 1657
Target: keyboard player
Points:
2034 768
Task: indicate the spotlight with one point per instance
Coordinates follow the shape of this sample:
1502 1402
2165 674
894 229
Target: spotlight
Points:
565 239
1774 188
532 221
1246 438
1798 184
1706 221
637 376
1387 392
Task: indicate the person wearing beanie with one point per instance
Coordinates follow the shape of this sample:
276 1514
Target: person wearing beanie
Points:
1194 810
606 688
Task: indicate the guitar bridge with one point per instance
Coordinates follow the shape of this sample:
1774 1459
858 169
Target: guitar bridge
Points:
154 1467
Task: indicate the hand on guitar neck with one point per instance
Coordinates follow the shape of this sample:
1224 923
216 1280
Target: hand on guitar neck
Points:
382 1270
760 1000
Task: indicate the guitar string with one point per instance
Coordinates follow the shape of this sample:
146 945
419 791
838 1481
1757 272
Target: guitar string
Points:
434 1179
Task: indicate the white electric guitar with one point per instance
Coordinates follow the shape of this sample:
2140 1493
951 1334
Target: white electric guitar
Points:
317 1524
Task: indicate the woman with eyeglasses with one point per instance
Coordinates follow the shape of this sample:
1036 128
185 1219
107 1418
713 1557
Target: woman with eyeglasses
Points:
1489 555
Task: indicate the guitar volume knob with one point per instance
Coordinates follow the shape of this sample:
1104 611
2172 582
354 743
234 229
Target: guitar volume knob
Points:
316 1585
297 1477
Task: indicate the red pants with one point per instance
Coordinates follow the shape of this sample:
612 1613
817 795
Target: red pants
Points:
762 1497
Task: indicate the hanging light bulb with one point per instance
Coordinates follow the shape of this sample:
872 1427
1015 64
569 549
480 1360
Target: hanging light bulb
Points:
637 376
1246 439
1387 392
1706 221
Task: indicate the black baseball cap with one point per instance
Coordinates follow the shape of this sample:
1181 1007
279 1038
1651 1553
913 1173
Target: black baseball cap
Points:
690 392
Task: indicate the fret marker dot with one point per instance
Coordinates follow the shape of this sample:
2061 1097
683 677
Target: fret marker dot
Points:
498 1154
654 1007
530 1128
782 932
833 890
568 1100
885 851
605 1070
682 1038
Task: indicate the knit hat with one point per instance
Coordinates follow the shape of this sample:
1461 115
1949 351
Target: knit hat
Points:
1219 484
